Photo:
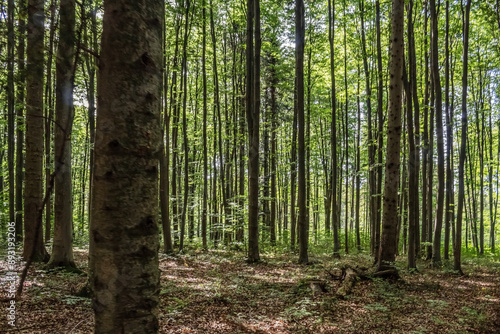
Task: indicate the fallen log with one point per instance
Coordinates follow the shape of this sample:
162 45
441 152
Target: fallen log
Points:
350 278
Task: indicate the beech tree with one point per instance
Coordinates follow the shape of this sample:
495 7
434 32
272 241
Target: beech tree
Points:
62 251
34 247
124 222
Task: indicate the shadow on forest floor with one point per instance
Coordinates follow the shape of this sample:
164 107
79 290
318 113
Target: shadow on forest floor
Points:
219 293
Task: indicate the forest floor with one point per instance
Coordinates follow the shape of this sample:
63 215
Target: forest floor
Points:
217 292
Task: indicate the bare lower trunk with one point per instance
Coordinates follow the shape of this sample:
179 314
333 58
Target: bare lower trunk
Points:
124 229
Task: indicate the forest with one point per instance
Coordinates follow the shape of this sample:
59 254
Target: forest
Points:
258 166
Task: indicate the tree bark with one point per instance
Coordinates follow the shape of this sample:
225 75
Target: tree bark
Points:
184 126
253 119
33 190
124 229
205 112
299 81
388 246
11 141
372 202
62 249
380 92
457 246
333 136
20 121
438 224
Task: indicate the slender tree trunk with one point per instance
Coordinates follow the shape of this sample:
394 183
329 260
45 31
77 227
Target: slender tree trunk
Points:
253 119
299 81
346 141
274 128
438 225
91 69
34 248
358 167
62 251
20 121
205 149
11 115
413 140
370 140
457 246
184 127
380 92
425 139
124 228
388 246
49 117
333 140
293 183
449 207
490 181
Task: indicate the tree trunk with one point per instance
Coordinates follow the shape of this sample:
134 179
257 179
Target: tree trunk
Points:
413 184
372 202
380 92
449 200
11 142
184 126
205 149
253 119
333 135
299 81
20 121
62 251
438 225
425 139
457 246
33 190
124 229
388 246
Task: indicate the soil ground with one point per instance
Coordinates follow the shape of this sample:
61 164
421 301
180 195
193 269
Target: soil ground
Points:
217 292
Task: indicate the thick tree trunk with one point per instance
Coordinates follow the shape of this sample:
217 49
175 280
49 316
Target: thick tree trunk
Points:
33 190
388 246
124 229
62 251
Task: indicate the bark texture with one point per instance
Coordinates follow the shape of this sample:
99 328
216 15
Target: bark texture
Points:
124 226
388 245
62 251
33 188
